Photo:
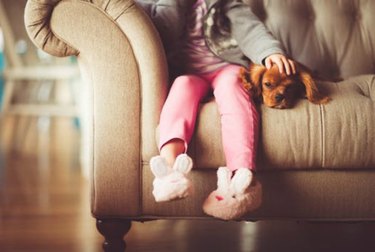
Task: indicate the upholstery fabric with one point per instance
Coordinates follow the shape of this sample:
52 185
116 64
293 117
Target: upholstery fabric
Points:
336 38
318 159
337 135
288 195
115 59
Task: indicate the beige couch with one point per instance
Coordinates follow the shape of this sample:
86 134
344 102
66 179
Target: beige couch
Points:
315 162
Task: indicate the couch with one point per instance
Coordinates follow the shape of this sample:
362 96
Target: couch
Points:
315 162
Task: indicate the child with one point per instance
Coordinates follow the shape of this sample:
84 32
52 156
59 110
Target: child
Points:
205 42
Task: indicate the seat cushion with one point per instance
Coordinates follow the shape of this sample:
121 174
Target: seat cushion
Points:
299 195
340 134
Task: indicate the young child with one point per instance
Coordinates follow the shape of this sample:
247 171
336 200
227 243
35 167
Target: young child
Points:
205 42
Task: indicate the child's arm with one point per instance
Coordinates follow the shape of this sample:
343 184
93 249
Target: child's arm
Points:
255 40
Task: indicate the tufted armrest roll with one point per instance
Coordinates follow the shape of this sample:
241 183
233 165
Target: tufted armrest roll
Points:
122 59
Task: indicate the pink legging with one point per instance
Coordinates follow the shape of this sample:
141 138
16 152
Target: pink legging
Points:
239 117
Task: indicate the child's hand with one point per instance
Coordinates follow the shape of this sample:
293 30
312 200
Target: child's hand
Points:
282 62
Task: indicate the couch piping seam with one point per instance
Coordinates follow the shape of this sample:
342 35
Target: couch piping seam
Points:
322 138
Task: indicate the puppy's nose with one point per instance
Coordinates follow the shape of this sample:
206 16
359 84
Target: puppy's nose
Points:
279 97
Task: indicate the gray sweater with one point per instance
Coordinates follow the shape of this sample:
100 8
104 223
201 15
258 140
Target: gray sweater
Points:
248 38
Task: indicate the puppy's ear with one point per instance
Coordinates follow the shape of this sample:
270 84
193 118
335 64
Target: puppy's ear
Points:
245 79
312 92
253 79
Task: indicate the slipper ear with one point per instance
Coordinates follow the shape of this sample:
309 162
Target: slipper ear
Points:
223 179
159 167
183 164
241 180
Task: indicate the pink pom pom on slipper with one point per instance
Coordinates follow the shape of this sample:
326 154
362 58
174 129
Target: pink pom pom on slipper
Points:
234 197
171 183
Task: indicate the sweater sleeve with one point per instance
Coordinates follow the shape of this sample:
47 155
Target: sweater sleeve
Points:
254 39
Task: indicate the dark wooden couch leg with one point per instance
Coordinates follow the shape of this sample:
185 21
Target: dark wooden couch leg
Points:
113 231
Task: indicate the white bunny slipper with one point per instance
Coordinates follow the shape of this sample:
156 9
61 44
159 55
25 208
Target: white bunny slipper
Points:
233 197
171 183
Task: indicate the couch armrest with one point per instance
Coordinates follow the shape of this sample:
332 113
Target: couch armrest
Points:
121 57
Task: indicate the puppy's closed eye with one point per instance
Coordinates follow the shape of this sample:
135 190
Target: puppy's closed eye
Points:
268 84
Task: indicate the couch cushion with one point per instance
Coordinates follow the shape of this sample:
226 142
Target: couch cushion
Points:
340 134
328 36
289 195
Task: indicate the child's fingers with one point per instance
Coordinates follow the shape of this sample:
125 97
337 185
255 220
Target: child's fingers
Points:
268 63
286 65
289 66
292 65
283 63
278 61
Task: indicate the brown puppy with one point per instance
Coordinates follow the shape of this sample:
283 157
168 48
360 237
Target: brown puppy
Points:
281 91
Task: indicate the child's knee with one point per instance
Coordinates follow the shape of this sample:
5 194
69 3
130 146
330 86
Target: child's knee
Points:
229 80
189 85
229 88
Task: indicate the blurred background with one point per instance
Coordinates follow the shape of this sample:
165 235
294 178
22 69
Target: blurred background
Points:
44 170
44 190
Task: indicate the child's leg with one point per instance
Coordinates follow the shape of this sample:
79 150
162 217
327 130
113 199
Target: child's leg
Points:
172 149
176 126
239 119
238 192
178 116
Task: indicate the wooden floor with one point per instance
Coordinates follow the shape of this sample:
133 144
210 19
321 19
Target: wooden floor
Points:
44 206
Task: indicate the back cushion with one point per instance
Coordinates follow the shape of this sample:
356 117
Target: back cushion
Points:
336 38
